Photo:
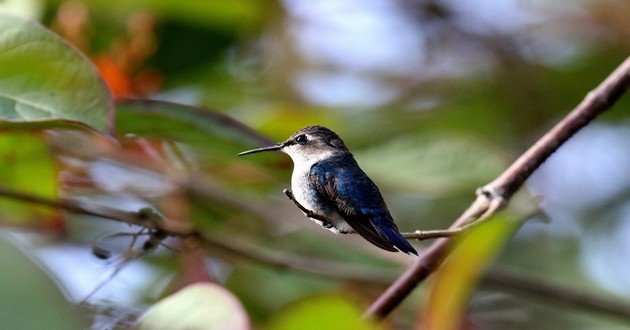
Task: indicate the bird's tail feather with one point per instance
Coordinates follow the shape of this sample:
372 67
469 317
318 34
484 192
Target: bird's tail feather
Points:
394 237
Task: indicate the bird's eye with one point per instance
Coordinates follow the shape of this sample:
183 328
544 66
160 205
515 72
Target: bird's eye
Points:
301 139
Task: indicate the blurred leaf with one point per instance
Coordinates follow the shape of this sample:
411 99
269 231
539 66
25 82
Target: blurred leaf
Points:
221 13
183 123
435 165
211 46
40 125
322 312
24 8
280 289
44 79
26 166
282 120
30 299
198 306
215 137
456 278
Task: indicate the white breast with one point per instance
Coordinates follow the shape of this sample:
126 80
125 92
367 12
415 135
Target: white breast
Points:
299 186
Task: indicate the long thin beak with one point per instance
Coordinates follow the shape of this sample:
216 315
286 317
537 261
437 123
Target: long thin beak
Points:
253 151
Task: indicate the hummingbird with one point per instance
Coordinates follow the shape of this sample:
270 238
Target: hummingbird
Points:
332 190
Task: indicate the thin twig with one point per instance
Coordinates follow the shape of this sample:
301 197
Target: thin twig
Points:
433 234
495 195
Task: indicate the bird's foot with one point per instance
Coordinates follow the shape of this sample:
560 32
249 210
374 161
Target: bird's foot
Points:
306 211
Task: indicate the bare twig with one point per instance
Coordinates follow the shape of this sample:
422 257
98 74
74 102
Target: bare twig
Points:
495 195
433 234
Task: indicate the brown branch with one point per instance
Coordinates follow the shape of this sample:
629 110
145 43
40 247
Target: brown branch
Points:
304 264
519 283
143 217
556 293
148 219
495 195
490 198
535 287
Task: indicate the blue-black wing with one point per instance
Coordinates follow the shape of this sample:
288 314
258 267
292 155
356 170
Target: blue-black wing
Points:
341 184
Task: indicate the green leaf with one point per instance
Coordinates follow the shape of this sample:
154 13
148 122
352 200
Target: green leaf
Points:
30 299
26 166
43 79
198 306
214 137
183 123
456 278
322 312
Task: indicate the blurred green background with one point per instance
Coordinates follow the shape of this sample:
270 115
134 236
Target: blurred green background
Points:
434 98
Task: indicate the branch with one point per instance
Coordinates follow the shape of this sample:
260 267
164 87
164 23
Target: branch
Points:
148 219
307 265
144 217
525 284
541 288
419 235
495 195
532 286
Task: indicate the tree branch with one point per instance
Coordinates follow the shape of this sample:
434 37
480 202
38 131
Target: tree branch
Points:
496 194
541 288
535 287
418 235
304 264
144 217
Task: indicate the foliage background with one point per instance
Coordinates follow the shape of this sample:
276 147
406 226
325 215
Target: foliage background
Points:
434 99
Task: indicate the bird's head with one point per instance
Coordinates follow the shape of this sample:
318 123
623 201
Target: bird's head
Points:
308 144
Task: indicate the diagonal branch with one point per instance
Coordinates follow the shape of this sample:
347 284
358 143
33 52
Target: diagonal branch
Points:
535 287
496 194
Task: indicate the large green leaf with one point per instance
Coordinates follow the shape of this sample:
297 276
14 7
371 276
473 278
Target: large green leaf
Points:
44 79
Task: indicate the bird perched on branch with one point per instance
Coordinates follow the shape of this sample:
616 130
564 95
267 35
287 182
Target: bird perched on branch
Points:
330 188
